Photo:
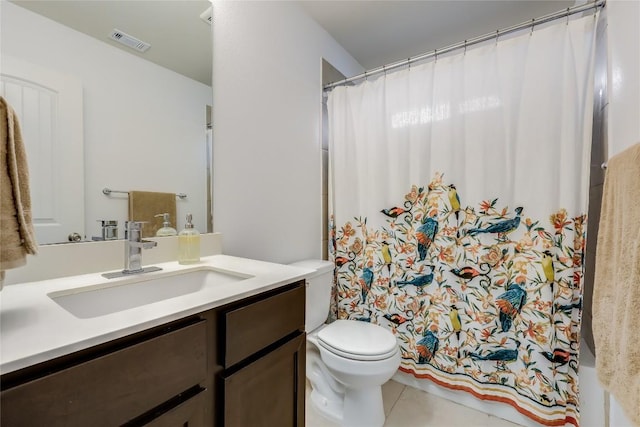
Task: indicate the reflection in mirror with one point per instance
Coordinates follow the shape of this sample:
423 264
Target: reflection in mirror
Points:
115 119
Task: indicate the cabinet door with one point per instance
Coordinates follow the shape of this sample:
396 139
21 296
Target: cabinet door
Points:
269 391
190 413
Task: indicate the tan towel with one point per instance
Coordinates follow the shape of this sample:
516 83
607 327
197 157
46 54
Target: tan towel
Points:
17 238
145 205
616 292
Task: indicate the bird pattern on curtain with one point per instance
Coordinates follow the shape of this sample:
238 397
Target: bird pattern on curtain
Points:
481 298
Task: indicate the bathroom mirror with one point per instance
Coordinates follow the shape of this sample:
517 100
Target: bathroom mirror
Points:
142 117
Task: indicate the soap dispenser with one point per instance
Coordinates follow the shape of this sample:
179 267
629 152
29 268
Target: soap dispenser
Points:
189 243
167 229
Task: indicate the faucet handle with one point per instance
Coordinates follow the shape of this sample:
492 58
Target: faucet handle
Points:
133 230
148 244
134 225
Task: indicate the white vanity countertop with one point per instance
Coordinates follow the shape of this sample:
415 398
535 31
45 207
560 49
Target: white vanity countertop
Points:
34 328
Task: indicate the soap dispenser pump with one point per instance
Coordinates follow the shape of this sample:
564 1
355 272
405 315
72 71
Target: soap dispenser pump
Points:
189 243
167 229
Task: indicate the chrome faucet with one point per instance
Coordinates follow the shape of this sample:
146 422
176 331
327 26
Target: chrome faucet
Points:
133 246
109 230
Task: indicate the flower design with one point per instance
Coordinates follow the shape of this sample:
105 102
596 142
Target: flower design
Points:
436 181
486 205
413 195
521 266
380 302
356 247
493 263
522 378
559 220
446 255
493 256
525 244
537 331
486 333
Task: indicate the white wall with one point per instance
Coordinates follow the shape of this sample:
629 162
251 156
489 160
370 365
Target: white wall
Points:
266 128
144 125
624 99
624 74
592 395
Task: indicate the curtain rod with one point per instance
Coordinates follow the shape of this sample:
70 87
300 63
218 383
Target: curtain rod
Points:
528 24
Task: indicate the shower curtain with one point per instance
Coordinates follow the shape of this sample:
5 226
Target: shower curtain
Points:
458 193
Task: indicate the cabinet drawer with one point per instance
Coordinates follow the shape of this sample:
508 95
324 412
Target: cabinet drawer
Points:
114 388
254 326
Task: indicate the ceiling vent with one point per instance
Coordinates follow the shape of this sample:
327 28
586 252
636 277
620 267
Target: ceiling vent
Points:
207 15
129 41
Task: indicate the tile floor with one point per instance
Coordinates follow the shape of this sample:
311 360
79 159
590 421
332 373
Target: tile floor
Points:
408 407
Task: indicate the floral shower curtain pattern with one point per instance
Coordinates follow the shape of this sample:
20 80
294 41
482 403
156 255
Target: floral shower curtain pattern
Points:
458 192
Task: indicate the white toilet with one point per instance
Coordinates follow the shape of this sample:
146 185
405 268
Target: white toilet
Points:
347 360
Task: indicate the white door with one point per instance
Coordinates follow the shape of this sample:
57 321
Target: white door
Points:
49 106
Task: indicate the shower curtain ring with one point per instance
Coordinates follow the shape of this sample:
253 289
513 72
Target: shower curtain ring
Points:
436 54
567 16
465 48
533 24
497 35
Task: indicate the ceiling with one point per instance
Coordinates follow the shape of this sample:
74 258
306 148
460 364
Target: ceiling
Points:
375 33
180 40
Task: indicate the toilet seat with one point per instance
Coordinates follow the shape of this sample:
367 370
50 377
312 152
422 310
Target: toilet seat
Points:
358 340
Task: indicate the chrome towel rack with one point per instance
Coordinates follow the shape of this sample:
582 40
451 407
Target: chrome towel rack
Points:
108 191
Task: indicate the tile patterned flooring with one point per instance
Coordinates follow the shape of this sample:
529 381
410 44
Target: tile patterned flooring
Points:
408 407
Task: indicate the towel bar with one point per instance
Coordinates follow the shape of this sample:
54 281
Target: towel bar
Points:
108 191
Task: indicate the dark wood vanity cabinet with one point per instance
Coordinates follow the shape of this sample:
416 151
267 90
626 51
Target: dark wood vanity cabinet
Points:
242 364
132 380
261 361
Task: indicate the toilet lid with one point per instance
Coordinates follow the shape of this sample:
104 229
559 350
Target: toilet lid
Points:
358 340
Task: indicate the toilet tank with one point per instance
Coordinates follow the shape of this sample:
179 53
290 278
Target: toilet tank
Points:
318 292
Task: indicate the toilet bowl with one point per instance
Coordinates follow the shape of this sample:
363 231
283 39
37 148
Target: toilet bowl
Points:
347 360
360 367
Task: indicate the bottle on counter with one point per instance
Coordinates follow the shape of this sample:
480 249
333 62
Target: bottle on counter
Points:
167 229
189 243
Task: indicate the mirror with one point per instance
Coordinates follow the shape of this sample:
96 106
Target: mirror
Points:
140 118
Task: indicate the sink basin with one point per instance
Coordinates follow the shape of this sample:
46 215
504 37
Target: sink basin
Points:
101 299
